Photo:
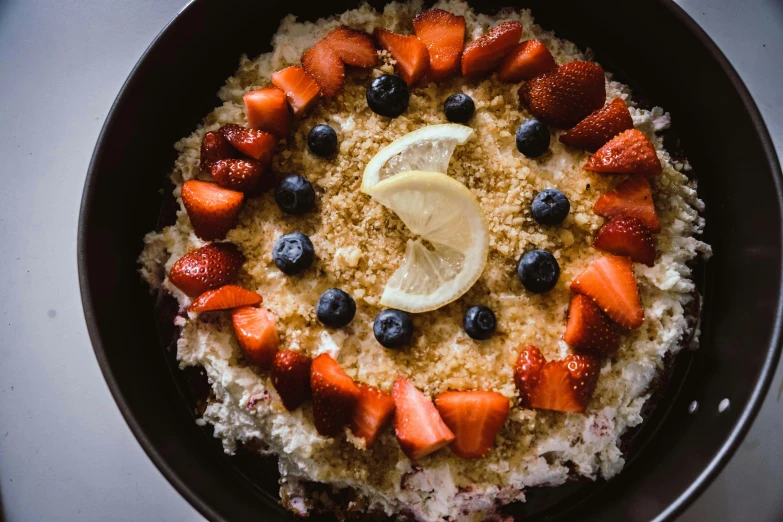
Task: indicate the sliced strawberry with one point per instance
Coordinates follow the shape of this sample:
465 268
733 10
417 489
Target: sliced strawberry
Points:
373 412
256 331
257 144
483 56
267 110
225 298
411 55
237 174
334 395
589 330
353 47
627 236
417 423
444 35
526 372
291 378
632 198
215 147
212 209
208 267
610 282
324 64
630 152
475 417
526 61
563 97
600 126
301 89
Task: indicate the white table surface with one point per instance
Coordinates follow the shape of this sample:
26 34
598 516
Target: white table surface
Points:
65 452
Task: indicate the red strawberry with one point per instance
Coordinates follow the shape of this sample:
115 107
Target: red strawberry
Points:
444 36
600 126
215 147
627 236
211 266
563 97
610 282
237 174
483 56
225 298
526 61
475 417
628 153
291 378
256 331
417 423
353 47
267 110
257 144
411 55
589 330
632 198
527 371
212 209
324 64
334 395
373 412
301 89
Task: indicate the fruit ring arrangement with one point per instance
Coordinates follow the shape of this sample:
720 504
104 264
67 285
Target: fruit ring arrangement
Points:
409 177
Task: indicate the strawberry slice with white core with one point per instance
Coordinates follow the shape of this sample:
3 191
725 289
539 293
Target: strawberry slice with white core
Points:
301 89
411 55
417 423
353 47
256 332
444 35
373 412
632 198
212 209
225 298
484 55
610 282
475 417
267 110
324 64
335 395
526 61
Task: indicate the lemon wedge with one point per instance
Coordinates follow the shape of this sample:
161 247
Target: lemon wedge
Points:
445 214
427 149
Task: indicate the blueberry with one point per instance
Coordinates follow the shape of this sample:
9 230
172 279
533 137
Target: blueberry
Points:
295 195
532 138
459 108
538 270
388 95
322 140
550 207
293 253
480 323
335 308
393 328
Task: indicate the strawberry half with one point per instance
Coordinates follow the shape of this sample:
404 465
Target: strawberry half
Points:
291 378
267 110
257 144
256 332
417 423
599 127
565 385
565 96
588 330
324 64
225 298
411 55
334 395
237 174
353 47
632 198
372 413
630 152
482 56
212 209
215 147
627 236
208 267
475 417
301 90
526 61
610 282
444 36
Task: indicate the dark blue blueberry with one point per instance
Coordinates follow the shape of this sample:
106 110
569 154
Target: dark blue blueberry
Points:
322 140
295 195
550 207
388 95
393 328
293 253
538 270
459 108
335 308
480 323
532 138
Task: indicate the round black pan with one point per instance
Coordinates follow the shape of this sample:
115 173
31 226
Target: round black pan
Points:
654 46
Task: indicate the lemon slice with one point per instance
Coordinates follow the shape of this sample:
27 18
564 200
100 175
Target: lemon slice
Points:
445 214
428 148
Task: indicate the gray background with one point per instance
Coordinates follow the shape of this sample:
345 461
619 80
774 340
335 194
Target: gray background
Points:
65 452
